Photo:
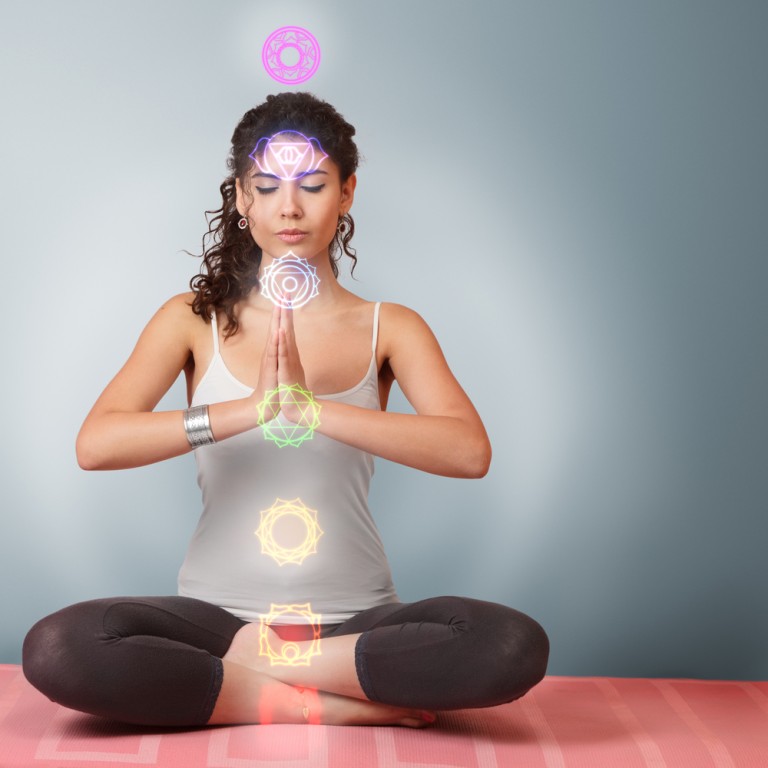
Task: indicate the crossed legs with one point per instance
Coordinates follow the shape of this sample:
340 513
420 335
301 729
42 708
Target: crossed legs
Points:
179 661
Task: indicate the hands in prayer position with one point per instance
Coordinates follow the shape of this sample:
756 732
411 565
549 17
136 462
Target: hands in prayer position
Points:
281 372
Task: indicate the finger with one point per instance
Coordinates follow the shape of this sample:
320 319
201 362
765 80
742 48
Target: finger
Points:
289 362
270 348
283 349
286 318
269 361
271 352
284 367
274 321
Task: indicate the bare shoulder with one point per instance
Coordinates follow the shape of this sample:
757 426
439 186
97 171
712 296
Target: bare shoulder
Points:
178 308
171 333
402 317
175 317
400 324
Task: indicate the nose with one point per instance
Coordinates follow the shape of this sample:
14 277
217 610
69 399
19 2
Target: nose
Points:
289 201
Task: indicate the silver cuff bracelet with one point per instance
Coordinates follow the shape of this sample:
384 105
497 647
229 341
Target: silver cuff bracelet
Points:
197 425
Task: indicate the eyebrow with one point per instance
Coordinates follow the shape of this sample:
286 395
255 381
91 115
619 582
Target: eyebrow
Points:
259 174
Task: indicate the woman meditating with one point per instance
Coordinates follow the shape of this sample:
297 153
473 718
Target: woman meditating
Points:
286 611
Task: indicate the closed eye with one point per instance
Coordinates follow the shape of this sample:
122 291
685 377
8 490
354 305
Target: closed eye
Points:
268 190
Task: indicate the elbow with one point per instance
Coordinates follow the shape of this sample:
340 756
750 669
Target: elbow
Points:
85 461
479 461
482 465
482 469
87 457
87 465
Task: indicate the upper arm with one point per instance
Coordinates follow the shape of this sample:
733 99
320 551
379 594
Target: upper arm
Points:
420 368
160 354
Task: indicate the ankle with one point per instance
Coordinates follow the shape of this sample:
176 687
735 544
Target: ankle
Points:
310 708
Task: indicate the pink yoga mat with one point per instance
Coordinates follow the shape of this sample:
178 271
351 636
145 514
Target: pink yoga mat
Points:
565 722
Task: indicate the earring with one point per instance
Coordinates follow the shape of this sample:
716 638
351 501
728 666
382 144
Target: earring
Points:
341 227
243 223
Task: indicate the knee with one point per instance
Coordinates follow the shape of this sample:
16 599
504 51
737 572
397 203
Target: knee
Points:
524 653
52 653
40 652
512 653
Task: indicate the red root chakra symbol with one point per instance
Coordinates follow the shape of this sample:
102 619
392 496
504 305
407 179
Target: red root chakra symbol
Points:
290 654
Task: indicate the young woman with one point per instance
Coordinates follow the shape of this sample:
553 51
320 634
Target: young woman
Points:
286 610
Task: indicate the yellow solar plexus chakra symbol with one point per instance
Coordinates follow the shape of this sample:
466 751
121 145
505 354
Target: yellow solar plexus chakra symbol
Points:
288 433
289 654
289 531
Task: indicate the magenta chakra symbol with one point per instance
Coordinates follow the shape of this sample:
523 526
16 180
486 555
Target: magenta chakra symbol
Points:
291 55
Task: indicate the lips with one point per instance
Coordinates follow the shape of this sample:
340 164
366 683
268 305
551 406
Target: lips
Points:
291 235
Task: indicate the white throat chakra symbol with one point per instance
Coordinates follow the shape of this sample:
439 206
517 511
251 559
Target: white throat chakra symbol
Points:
290 281
297 531
288 155
291 55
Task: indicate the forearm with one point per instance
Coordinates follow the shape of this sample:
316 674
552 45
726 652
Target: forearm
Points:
120 440
442 445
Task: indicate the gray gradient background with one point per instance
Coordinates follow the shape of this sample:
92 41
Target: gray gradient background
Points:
573 194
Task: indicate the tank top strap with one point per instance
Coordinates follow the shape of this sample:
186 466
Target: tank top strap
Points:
375 334
215 331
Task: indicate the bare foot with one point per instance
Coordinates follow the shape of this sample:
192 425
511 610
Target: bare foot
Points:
330 709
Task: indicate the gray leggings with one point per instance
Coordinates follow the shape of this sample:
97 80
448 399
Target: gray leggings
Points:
157 660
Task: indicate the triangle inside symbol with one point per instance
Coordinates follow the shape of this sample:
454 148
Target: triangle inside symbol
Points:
288 155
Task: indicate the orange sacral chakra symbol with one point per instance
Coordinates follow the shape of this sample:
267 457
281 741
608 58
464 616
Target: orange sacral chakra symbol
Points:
279 527
290 654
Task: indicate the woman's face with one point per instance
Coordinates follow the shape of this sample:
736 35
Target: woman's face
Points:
296 214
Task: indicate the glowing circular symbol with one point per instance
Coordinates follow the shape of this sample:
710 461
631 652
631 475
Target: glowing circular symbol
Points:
288 155
279 55
287 433
290 654
290 281
284 515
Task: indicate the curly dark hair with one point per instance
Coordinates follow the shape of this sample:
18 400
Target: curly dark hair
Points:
231 263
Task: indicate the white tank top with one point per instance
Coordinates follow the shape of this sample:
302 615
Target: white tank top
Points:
325 551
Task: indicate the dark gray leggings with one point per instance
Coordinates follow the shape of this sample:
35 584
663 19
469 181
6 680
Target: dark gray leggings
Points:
157 660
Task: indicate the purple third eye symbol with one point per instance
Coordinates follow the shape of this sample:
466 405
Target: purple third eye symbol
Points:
291 55
288 155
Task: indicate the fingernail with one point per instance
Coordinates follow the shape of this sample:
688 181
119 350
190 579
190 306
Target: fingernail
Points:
429 717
